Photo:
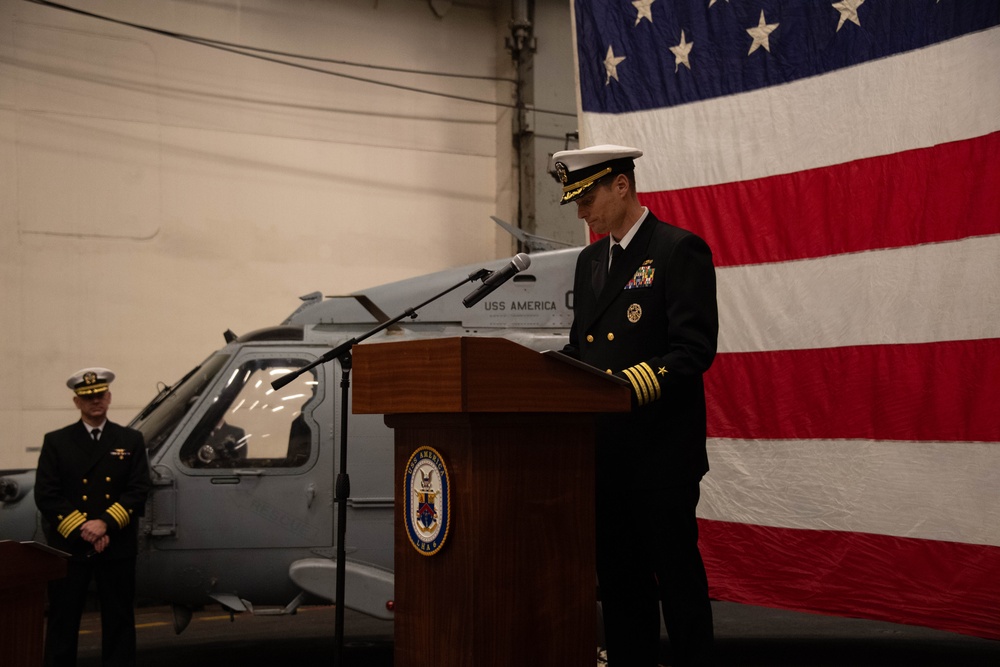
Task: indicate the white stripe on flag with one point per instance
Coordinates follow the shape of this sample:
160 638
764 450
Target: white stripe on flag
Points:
912 100
915 294
928 490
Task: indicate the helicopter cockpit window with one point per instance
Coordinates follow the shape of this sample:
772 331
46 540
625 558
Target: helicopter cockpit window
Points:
250 425
158 419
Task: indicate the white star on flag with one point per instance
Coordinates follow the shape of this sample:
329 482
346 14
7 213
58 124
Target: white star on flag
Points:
848 11
760 34
681 53
644 8
611 66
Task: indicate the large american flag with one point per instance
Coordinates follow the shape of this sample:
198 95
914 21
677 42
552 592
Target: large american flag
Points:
843 161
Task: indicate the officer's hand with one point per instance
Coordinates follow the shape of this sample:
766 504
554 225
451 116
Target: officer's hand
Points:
93 530
101 543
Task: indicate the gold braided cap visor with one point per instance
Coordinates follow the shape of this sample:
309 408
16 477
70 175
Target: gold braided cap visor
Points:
92 389
574 190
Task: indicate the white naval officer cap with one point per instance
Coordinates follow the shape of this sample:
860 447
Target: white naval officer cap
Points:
90 381
580 169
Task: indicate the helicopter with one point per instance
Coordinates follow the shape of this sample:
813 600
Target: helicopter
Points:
242 511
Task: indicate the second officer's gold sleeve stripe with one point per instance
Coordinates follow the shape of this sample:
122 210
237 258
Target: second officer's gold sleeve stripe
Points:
71 523
119 514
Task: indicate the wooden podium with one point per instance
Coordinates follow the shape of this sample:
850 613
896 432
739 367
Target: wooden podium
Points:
27 568
511 579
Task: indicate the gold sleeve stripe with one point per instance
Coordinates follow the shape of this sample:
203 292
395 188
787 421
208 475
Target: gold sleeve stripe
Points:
647 387
641 391
654 382
119 514
71 523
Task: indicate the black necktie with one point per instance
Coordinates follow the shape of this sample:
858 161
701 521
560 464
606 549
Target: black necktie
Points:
96 434
615 251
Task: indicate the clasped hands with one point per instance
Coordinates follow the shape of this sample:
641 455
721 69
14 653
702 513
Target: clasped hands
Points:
95 531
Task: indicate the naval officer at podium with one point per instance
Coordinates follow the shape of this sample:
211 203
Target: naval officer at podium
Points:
645 310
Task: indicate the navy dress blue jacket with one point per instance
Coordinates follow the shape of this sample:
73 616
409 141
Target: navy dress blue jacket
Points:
79 479
654 322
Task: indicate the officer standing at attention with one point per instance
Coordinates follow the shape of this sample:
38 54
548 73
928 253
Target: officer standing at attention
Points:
91 486
645 310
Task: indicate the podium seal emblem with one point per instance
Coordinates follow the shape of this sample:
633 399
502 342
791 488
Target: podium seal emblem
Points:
428 501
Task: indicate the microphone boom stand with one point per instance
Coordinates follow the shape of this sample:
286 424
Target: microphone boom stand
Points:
343 486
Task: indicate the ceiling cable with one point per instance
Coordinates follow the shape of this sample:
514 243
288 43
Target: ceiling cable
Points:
256 52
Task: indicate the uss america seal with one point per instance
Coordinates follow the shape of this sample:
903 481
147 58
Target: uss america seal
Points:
428 507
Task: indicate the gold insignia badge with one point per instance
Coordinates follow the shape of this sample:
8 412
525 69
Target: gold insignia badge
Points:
562 172
634 313
89 378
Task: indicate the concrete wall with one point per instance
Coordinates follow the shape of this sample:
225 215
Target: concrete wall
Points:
155 192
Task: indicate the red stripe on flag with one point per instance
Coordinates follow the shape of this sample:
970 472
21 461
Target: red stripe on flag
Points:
945 585
945 391
929 195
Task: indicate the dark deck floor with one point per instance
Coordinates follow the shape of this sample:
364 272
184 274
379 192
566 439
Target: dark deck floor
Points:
746 636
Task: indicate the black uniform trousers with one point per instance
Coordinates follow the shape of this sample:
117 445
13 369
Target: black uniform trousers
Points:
115 580
647 555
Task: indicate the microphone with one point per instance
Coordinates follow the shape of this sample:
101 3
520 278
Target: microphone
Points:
519 263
